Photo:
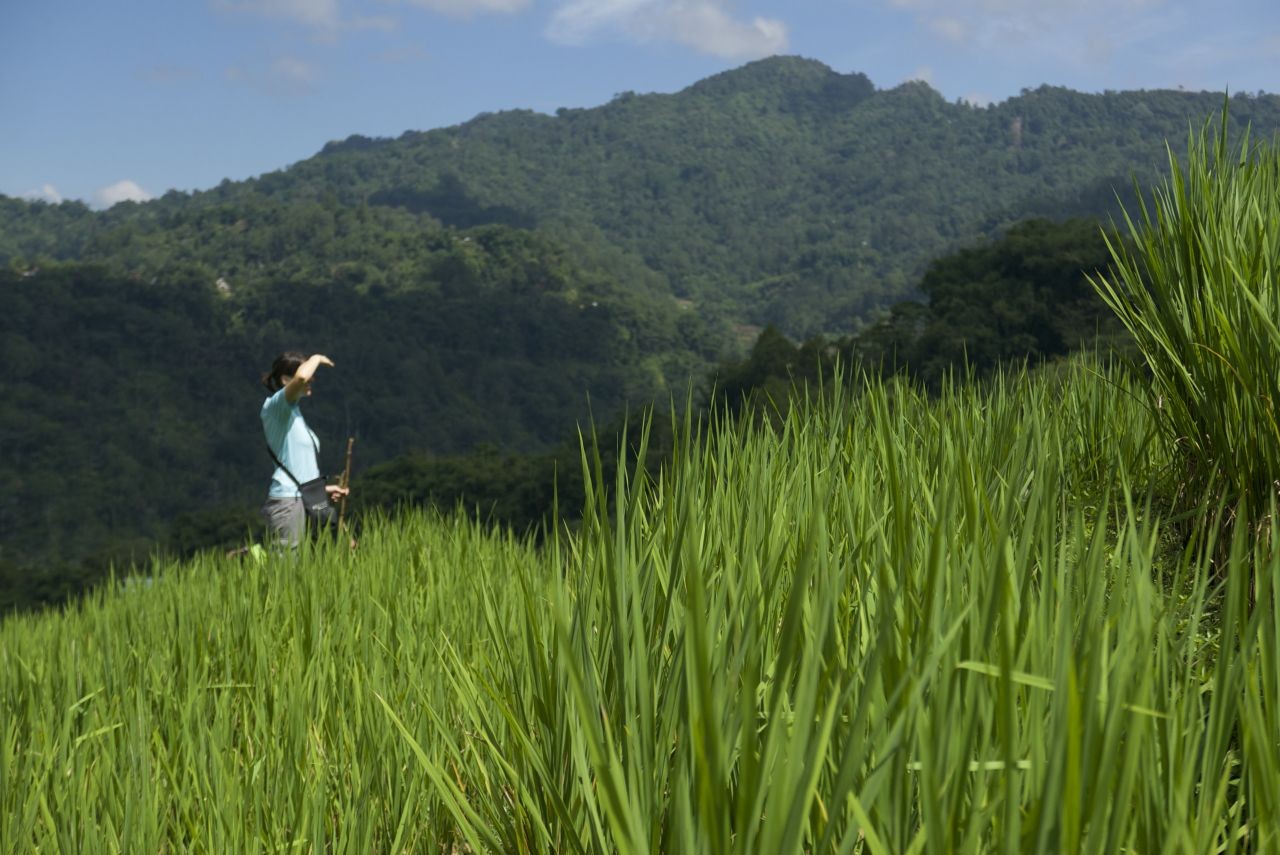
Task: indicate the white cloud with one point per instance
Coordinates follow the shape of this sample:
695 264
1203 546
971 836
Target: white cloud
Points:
121 191
46 193
467 8
707 26
575 22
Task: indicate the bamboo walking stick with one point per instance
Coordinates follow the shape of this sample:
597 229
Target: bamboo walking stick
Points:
346 482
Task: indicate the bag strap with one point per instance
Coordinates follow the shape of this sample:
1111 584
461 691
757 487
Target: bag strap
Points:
280 462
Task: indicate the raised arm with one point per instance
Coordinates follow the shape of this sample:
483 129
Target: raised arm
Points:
297 385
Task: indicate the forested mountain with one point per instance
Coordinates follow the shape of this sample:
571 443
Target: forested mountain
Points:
781 192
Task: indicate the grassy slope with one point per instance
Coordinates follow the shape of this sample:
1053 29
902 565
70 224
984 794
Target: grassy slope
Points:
889 625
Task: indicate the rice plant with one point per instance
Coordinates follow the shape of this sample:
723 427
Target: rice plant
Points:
890 626
1200 292
234 707
886 624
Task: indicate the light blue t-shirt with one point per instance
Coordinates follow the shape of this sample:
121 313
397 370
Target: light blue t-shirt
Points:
292 441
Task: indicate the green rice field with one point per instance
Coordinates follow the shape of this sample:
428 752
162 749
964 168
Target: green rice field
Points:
1033 615
892 624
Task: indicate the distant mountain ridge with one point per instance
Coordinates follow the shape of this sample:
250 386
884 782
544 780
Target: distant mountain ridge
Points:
779 192
784 190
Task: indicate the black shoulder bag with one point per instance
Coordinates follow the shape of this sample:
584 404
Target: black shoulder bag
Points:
315 499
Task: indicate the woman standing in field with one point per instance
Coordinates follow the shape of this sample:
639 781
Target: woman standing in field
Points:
293 445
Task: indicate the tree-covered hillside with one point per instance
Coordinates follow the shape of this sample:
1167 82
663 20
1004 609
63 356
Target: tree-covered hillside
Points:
781 192
128 415
129 402
784 191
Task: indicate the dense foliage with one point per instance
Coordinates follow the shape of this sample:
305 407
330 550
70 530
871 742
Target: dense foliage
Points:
1025 296
128 407
469 400
781 192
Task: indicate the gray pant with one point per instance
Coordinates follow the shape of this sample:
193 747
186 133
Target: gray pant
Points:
286 520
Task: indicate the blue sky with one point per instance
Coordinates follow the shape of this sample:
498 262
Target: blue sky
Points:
104 101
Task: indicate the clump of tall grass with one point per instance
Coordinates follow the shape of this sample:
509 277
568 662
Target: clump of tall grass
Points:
1200 292
889 625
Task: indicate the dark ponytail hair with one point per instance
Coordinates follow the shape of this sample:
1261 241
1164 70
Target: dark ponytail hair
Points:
286 365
